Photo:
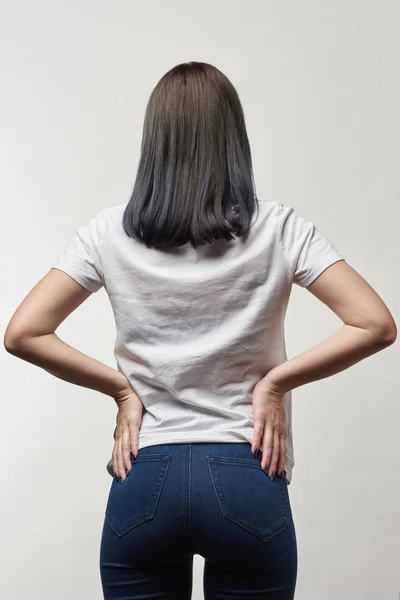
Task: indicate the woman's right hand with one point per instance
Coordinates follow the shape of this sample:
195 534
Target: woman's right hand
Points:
269 426
126 433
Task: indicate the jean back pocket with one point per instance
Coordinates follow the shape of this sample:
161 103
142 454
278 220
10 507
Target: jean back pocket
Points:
248 497
135 500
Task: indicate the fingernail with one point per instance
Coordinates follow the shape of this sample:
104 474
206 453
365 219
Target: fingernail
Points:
266 469
272 476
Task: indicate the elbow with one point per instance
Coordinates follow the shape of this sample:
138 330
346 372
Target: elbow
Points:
392 336
386 333
13 342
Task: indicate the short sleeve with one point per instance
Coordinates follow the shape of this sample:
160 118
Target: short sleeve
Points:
307 250
81 259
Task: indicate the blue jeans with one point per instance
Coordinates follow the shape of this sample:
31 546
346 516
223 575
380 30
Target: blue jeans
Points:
211 499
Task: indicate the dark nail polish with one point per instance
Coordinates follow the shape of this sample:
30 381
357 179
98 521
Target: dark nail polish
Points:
266 470
272 476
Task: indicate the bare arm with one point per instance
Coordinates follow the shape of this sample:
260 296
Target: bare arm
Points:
31 336
368 327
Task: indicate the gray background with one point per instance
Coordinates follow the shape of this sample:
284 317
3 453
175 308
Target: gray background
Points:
319 83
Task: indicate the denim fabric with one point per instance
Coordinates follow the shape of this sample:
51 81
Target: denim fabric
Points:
211 499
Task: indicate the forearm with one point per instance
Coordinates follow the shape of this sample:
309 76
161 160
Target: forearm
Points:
341 350
65 362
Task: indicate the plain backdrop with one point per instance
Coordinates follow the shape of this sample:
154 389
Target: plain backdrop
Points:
319 84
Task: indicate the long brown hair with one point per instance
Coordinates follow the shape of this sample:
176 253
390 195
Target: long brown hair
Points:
195 180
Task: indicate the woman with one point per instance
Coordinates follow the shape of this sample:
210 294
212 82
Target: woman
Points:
203 451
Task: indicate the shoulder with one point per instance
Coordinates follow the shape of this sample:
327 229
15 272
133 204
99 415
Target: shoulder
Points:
107 218
289 219
270 206
268 212
279 209
289 225
111 213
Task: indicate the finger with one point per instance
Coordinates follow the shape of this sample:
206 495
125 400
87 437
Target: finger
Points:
257 435
282 454
126 453
274 455
268 441
115 458
134 440
121 471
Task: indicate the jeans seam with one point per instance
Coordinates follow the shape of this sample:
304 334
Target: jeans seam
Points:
189 491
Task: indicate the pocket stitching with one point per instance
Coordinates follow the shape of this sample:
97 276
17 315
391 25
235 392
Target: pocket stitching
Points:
221 499
235 460
157 493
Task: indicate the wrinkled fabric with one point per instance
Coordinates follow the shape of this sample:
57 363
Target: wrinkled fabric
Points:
196 329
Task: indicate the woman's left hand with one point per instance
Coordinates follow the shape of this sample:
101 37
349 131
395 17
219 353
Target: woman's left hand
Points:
126 433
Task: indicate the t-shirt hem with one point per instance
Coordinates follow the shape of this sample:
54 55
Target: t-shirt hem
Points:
91 287
306 281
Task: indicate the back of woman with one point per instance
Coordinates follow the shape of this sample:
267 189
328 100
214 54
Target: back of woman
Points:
199 271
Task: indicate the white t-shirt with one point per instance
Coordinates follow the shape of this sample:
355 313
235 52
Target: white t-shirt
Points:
197 328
